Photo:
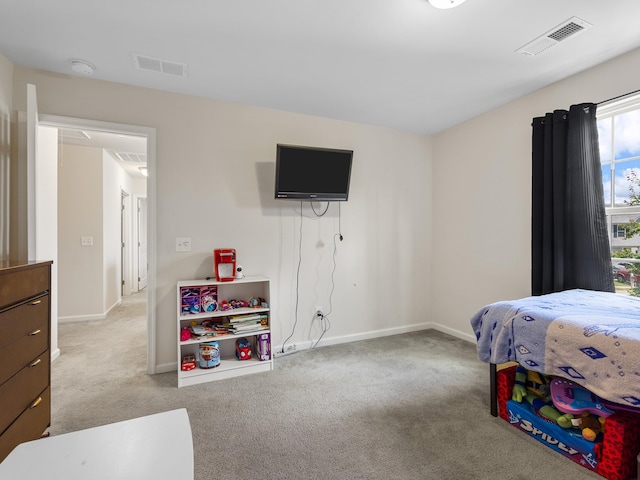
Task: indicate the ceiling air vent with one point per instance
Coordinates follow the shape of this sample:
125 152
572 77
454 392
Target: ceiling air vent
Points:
130 157
544 42
70 133
158 65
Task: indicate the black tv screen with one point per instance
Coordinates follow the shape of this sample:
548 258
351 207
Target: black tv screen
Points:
312 173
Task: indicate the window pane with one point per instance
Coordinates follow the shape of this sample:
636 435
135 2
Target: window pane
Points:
604 139
622 183
606 184
627 134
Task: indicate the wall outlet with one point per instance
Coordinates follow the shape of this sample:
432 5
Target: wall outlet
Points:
318 311
86 241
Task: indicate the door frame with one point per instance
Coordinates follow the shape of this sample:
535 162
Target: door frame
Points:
150 134
137 199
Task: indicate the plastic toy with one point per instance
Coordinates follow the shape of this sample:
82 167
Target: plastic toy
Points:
571 398
209 354
534 388
243 349
190 300
209 303
232 304
185 334
188 362
258 302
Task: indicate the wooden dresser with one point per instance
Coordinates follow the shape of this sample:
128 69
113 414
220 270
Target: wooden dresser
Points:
25 358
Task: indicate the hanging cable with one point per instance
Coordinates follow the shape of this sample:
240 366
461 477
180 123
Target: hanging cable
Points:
325 324
322 214
297 283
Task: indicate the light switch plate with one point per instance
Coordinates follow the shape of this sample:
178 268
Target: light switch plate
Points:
183 244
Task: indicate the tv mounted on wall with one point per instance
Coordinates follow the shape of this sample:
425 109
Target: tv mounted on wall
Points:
312 173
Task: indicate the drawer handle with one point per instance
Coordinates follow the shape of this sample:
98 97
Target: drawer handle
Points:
36 302
35 363
35 332
36 403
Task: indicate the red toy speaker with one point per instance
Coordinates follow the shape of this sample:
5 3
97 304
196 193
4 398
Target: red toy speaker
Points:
224 264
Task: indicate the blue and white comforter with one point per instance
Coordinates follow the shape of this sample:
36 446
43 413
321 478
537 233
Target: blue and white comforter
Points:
591 338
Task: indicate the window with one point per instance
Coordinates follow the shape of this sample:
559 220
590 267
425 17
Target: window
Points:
619 231
619 138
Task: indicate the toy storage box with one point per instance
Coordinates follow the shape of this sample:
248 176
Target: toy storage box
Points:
263 347
194 300
614 457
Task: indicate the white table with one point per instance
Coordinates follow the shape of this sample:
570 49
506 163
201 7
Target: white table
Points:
153 447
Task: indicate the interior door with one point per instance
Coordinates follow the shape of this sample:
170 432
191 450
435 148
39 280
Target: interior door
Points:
125 259
142 243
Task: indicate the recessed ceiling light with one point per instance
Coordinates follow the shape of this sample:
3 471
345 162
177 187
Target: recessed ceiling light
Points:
445 3
82 66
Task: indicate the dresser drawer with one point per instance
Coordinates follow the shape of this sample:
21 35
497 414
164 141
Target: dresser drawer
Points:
23 388
19 284
24 334
29 426
22 319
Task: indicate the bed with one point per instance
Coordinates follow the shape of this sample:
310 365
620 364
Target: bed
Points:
591 338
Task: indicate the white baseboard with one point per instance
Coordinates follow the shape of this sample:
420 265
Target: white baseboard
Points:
88 318
455 333
55 354
326 341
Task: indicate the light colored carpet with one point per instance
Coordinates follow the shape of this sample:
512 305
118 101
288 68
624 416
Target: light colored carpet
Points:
411 406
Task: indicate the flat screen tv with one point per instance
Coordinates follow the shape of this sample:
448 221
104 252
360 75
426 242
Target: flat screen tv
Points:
312 173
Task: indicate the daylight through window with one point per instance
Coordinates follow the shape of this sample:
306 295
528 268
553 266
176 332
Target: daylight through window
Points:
619 138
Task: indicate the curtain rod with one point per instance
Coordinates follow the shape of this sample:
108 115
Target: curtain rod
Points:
619 96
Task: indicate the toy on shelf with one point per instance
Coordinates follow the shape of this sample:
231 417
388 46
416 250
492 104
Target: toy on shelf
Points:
258 302
194 300
263 346
190 299
188 362
209 299
209 354
243 349
185 334
232 304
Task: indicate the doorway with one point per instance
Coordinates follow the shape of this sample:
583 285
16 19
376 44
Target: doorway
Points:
128 265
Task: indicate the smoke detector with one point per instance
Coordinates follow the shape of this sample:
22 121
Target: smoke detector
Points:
567 29
82 66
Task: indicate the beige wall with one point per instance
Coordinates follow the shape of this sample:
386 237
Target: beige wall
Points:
416 251
80 269
89 191
482 189
214 179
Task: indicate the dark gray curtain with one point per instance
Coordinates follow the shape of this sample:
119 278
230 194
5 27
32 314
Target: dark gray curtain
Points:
570 245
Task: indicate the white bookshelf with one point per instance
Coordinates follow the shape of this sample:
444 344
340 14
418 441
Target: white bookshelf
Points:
229 366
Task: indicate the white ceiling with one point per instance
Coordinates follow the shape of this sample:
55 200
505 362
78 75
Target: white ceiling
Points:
395 63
